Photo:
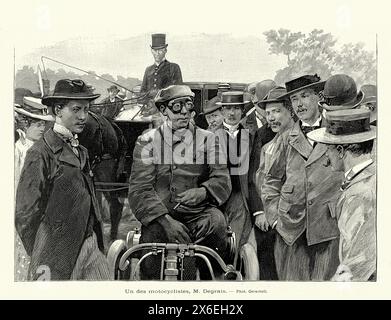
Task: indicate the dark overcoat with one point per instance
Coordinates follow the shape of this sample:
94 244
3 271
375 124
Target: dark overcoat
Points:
55 198
159 77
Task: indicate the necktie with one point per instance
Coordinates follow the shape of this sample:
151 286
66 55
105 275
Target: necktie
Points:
307 129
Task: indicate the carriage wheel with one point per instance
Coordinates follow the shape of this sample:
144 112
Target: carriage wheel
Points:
249 266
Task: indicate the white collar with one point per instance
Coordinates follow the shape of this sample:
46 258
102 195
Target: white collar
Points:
317 123
231 128
63 131
359 167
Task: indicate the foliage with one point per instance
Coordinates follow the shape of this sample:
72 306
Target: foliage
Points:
316 52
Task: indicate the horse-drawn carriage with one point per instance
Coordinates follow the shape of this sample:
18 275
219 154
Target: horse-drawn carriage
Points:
124 254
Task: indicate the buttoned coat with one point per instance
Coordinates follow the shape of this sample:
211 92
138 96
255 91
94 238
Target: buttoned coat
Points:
300 189
356 211
54 200
156 177
159 77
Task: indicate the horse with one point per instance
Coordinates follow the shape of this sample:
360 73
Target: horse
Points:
107 149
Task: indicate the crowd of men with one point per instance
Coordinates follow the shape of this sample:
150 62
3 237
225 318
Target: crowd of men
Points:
289 168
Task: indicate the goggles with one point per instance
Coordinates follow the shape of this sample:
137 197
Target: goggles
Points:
177 104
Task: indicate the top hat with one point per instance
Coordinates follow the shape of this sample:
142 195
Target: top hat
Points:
345 127
173 92
33 108
232 98
113 88
370 93
159 41
274 96
340 92
223 87
304 82
72 90
20 93
211 106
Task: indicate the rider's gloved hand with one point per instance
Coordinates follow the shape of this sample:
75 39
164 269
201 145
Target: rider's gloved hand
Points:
176 231
192 196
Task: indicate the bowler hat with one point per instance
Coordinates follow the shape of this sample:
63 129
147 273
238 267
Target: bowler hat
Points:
72 90
273 96
211 105
113 88
345 127
173 92
159 41
263 87
304 82
33 108
232 98
340 92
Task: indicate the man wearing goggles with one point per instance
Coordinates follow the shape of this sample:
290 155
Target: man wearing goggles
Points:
176 198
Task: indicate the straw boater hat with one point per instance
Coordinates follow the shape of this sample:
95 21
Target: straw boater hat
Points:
72 90
340 92
345 127
232 98
304 82
33 108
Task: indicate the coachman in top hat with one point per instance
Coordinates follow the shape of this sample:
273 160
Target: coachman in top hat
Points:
162 73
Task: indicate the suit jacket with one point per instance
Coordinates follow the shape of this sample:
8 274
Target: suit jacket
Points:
54 200
156 177
300 189
159 77
356 211
111 109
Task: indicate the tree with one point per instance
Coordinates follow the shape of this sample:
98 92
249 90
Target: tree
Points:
360 64
316 53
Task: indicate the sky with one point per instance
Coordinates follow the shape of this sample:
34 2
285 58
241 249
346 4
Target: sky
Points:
37 25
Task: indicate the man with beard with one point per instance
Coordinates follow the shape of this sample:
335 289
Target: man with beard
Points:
299 189
349 138
177 182
57 215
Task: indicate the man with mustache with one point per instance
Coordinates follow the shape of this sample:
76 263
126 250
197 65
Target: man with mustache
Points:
279 115
57 215
177 181
299 190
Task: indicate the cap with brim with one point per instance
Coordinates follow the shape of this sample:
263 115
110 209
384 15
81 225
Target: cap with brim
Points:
232 98
274 95
345 127
354 103
173 92
211 106
72 90
33 108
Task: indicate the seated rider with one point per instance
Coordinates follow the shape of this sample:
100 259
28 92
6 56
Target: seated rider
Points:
177 182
